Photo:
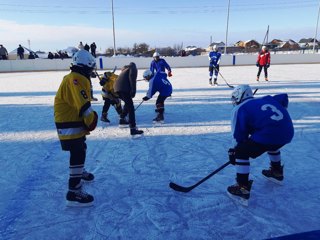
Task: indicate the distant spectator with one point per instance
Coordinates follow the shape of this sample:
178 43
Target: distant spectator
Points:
31 55
80 46
56 55
93 48
86 47
50 55
3 52
20 52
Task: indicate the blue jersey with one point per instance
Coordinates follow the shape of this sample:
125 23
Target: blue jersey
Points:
264 120
214 58
160 65
159 83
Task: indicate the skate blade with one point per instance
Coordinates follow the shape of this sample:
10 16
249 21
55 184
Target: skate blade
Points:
158 122
242 201
136 136
273 180
78 205
123 125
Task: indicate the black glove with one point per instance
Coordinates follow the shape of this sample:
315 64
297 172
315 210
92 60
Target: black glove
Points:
257 64
145 98
103 81
268 65
232 156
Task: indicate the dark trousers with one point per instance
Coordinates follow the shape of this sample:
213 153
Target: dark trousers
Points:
108 102
128 108
265 69
216 70
77 149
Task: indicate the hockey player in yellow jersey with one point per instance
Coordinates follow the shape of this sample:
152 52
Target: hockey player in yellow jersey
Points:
74 119
107 81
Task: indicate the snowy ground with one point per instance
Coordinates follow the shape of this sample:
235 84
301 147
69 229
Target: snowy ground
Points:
132 197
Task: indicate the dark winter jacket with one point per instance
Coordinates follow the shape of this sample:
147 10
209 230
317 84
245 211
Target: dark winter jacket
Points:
127 80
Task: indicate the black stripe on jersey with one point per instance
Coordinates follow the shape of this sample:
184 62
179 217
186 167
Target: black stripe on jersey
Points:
243 163
84 108
69 125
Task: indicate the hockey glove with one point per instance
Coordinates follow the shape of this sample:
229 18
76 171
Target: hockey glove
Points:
232 156
145 98
257 64
169 74
93 125
103 81
268 65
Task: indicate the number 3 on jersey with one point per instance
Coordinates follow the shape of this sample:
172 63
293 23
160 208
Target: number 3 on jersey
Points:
278 114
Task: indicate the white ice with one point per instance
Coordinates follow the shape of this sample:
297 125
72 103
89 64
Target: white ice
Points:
132 195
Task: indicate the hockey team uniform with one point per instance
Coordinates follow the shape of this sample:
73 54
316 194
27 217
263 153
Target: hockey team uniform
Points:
111 98
263 61
160 65
259 125
159 83
214 58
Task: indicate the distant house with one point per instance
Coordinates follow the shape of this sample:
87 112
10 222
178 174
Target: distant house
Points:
246 46
307 42
289 45
220 46
274 43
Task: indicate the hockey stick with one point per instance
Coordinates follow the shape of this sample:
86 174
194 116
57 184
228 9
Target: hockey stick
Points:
179 188
138 106
230 86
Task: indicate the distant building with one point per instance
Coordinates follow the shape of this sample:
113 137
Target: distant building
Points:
288 45
308 43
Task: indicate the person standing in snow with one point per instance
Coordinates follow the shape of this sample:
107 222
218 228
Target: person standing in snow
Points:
93 48
3 53
74 119
20 52
263 61
259 125
158 83
159 64
125 88
214 61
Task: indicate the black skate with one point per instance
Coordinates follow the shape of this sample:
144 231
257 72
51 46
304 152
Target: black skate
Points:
159 119
210 81
135 133
86 176
274 175
79 198
105 119
215 82
240 193
123 123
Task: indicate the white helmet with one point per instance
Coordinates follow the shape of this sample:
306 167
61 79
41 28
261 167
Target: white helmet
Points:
83 58
264 48
214 48
156 54
241 93
147 74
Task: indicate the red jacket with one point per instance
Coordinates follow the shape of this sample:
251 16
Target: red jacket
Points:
263 58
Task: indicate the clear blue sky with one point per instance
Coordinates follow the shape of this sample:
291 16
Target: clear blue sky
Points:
52 25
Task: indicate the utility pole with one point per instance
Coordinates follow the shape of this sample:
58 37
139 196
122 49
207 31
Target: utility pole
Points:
315 37
114 35
225 47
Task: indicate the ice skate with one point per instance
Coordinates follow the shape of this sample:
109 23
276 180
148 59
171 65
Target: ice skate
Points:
257 79
159 119
135 133
87 176
215 82
104 118
274 175
123 123
266 78
210 81
79 198
240 192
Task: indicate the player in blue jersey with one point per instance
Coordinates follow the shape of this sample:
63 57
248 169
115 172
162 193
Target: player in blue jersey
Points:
214 58
159 64
259 125
158 83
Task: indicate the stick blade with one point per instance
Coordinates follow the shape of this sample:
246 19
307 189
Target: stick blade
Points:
179 188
